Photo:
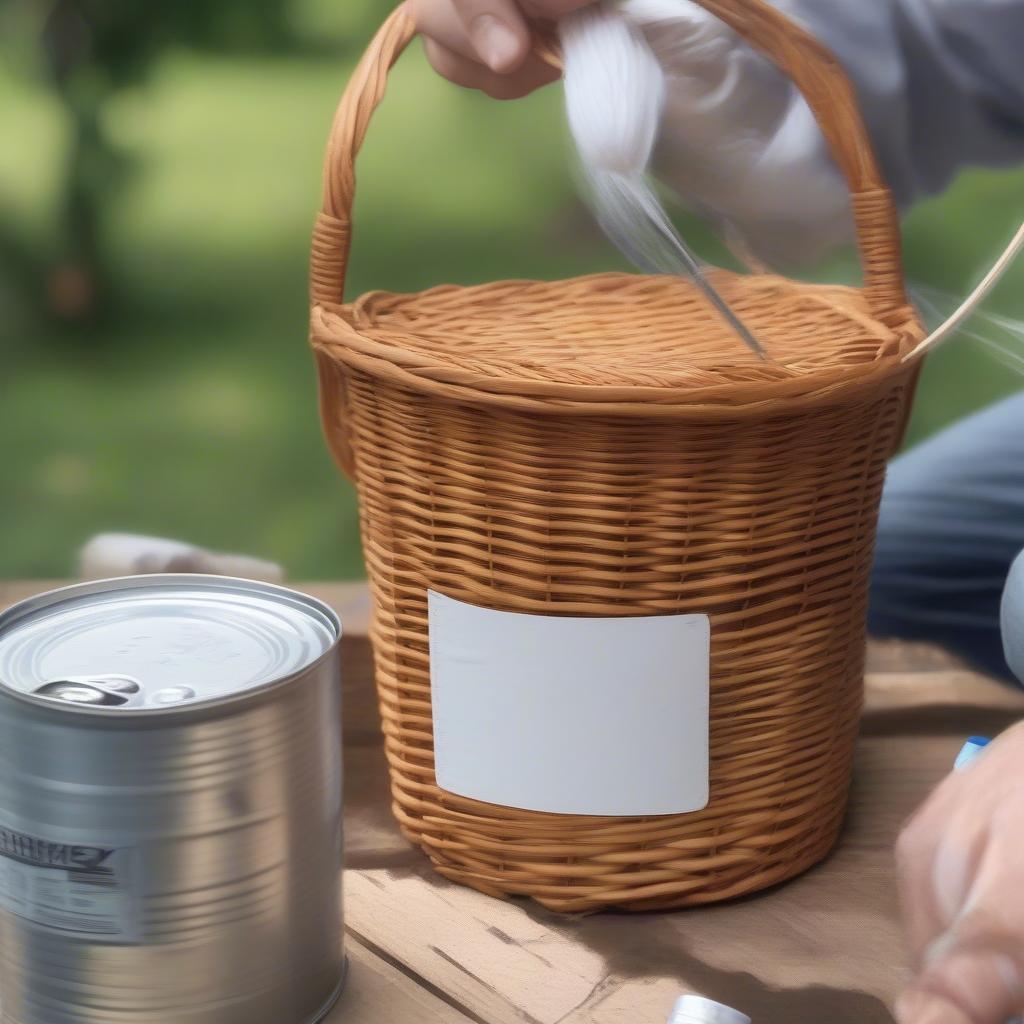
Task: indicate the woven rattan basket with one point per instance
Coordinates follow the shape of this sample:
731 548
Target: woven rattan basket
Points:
605 447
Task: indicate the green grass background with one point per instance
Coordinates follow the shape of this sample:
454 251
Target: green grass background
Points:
192 413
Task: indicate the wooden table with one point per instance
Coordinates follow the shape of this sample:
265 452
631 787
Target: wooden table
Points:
825 949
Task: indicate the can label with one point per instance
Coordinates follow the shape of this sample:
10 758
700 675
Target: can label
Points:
74 888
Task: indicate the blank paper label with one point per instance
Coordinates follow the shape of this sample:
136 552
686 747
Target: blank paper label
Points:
570 715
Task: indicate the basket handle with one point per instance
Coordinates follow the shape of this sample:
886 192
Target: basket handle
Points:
807 62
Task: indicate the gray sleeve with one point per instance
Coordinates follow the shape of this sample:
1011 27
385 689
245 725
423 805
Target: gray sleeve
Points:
941 82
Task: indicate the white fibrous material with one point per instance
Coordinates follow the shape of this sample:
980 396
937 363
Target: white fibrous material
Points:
615 91
615 95
125 554
738 143
614 88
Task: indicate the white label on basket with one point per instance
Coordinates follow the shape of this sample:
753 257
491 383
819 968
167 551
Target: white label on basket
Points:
603 716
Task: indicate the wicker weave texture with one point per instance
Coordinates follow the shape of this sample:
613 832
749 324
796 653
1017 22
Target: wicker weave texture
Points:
604 447
764 521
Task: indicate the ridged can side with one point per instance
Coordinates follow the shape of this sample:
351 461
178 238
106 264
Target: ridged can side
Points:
173 863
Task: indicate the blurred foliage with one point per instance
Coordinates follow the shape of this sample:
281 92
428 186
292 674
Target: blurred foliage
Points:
190 410
90 51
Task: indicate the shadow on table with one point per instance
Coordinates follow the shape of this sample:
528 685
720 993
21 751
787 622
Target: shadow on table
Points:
658 952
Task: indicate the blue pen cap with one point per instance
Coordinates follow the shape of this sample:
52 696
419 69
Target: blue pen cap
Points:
971 749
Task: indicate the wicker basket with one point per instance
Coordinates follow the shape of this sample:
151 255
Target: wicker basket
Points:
605 447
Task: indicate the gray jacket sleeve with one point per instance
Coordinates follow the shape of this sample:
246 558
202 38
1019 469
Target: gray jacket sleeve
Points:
941 82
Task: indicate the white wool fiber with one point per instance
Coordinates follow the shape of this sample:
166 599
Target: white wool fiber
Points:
615 90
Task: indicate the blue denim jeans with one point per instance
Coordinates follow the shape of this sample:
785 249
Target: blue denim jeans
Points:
949 566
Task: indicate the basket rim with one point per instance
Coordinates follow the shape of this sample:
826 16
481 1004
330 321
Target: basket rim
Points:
333 332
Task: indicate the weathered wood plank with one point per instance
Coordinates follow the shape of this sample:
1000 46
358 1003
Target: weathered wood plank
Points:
889 691
350 600
497 960
909 656
379 993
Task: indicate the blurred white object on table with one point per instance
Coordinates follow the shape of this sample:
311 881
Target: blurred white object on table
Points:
697 1010
124 554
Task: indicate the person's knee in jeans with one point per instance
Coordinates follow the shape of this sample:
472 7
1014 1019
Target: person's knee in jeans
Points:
951 525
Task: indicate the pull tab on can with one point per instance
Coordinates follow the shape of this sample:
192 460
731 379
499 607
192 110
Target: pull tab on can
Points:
73 692
108 691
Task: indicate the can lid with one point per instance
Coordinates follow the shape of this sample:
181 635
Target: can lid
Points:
698 1010
158 642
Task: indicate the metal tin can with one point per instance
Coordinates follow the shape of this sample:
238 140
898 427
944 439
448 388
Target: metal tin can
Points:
170 805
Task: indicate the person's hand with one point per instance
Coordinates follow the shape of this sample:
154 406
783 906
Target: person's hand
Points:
961 865
487 44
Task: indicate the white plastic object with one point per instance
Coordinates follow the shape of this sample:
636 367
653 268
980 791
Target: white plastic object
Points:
125 554
570 715
973 301
697 1010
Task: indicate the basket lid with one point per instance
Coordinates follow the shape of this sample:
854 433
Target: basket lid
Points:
618 338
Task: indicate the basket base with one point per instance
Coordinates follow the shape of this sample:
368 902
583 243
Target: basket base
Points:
686 891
